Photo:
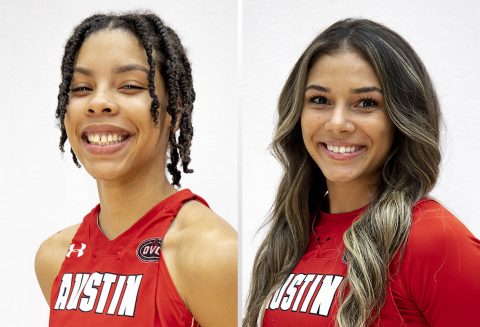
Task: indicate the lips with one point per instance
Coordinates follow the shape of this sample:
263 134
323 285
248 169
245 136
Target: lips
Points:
342 151
105 139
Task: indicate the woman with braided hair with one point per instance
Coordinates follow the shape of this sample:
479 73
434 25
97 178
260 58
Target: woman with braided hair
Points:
354 239
148 254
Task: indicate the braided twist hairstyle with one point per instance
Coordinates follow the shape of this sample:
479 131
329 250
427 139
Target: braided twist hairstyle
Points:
165 51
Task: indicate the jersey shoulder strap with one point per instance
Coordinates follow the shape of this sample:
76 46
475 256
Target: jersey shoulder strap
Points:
177 200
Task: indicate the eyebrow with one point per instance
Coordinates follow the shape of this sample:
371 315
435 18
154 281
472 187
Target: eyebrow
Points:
318 88
365 89
128 68
82 71
115 70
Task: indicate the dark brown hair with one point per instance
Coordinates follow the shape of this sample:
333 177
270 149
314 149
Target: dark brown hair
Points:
408 174
165 52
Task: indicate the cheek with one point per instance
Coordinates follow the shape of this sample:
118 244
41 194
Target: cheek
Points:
68 124
304 128
153 135
309 129
388 129
390 136
74 113
385 133
310 126
70 128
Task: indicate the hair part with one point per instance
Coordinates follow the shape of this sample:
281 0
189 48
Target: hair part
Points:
165 53
408 174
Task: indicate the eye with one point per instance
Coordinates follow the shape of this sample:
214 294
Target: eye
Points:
318 100
132 87
367 103
80 90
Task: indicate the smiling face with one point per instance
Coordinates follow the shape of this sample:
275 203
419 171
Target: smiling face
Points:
345 125
108 120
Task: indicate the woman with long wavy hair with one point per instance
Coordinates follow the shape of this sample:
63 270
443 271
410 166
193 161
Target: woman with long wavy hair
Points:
354 239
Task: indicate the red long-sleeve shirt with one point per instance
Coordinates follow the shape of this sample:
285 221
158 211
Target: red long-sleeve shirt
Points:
436 283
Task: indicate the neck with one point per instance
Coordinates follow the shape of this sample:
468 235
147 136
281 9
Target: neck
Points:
346 197
124 202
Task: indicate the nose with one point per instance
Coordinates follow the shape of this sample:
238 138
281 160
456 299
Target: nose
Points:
339 121
101 102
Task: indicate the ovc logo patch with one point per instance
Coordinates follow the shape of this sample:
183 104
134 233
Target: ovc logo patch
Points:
149 250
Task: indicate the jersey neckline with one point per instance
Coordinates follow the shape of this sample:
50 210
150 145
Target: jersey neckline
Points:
339 218
116 245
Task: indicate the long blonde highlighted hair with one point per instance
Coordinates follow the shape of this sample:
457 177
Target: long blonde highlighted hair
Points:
408 174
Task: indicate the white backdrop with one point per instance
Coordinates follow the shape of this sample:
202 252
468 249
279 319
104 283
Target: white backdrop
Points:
445 34
41 192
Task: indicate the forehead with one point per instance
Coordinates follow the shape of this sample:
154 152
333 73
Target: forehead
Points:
111 46
341 68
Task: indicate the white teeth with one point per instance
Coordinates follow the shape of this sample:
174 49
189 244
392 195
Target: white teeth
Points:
105 139
342 149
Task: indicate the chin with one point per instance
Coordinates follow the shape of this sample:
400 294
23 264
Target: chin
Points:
340 180
107 172
340 177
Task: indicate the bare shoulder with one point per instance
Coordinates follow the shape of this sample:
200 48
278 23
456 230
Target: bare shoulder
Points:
202 224
205 264
205 238
50 256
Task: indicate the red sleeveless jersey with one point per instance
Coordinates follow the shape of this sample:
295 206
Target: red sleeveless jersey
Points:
436 282
124 281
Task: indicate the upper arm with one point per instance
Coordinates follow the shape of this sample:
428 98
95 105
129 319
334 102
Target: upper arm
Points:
442 268
207 269
49 259
213 281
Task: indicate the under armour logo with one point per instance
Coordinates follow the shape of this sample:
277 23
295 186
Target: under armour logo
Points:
79 252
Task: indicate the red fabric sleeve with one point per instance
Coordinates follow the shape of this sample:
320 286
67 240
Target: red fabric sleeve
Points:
440 270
